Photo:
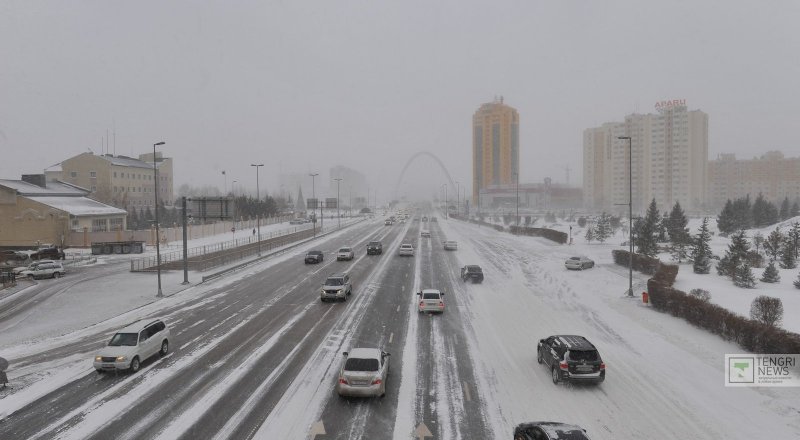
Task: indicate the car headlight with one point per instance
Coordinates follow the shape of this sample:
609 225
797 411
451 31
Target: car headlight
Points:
98 358
120 358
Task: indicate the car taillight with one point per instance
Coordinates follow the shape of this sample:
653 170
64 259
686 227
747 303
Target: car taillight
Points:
343 381
602 365
563 365
422 303
441 305
376 382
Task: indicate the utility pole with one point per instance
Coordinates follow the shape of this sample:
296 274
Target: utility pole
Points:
185 244
258 201
630 213
314 198
338 181
158 238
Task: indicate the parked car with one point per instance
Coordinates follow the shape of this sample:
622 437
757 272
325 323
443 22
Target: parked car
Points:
133 345
425 233
374 247
313 257
451 245
297 221
472 272
433 219
579 263
406 249
46 270
48 252
345 253
336 287
571 358
30 267
549 431
431 300
364 373
14 258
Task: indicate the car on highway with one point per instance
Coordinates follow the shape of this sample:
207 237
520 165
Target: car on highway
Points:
30 267
472 272
46 270
431 300
571 358
336 287
549 431
133 345
364 373
345 253
451 245
425 233
374 248
578 263
406 249
297 221
388 222
313 257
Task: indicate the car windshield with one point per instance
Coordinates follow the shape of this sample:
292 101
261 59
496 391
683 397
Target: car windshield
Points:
405 246
473 269
334 282
583 355
314 253
126 339
344 250
357 364
430 296
576 258
374 243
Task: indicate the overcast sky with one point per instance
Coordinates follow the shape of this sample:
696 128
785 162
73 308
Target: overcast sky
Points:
305 85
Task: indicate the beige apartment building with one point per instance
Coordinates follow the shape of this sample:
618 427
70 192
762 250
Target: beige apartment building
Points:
495 146
666 161
772 174
121 181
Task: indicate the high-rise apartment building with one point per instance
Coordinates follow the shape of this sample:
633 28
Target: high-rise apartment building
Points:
121 181
495 146
666 160
772 174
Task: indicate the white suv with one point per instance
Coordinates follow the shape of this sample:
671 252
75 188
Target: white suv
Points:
45 270
406 249
133 345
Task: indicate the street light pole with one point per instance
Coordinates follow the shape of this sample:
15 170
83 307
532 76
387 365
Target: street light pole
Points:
630 213
338 180
445 201
517 176
314 198
158 235
258 200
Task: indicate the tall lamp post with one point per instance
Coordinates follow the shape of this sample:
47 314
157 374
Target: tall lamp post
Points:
233 187
258 199
158 235
314 198
445 201
458 197
517 176
630 213
338 181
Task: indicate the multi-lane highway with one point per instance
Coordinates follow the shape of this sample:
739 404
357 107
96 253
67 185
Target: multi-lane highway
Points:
256 355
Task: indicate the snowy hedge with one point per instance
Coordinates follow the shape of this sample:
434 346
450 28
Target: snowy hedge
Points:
550 234
641 263
749 334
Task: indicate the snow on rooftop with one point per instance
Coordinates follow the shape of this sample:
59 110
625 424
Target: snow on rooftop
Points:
53 188
79 206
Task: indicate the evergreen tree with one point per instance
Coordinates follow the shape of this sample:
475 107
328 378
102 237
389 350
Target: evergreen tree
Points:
735 255
743 213
785 207
771 274
795 211
758 242
603 228
797 281
678 233
760 211
725 221
663 228
794 238
743 276
646 238
701 250
589 233
787 255
148 216
773 244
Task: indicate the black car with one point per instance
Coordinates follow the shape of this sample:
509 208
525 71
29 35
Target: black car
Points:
571 359
314 257
472 272
549 431
48 253
374 247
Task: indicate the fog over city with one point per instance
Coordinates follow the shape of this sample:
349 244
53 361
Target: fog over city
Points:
304 86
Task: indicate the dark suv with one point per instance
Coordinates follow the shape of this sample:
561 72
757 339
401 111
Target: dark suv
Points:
549 431
472 272
374 247
314 257
571 358
48 253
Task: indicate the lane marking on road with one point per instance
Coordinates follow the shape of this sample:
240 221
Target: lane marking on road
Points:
466 392
398 308
391 336
455 339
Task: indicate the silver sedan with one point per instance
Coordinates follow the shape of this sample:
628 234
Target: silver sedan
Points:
364 373
579 263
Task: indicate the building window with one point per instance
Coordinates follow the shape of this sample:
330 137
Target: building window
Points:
115 174
75 223
73 174
94 188
116 224
93 174
99 225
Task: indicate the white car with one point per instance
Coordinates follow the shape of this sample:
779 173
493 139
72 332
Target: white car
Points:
450 245
364 373
406 249
30 267
579 263
431 300
345 253
133 345
425 233
46 270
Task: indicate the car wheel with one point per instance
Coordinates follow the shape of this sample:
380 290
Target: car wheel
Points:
56 274
164 348
539 357
30 277
556 375
591 265
134 364
99 371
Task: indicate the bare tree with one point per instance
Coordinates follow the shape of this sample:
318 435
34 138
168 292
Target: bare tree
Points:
767 310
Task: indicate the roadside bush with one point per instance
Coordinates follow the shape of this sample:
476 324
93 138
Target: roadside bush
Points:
701 294
582 222
666 274
550 234
641 263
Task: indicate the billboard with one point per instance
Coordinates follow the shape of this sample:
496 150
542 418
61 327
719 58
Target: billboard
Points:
330 202
211 208
312 203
